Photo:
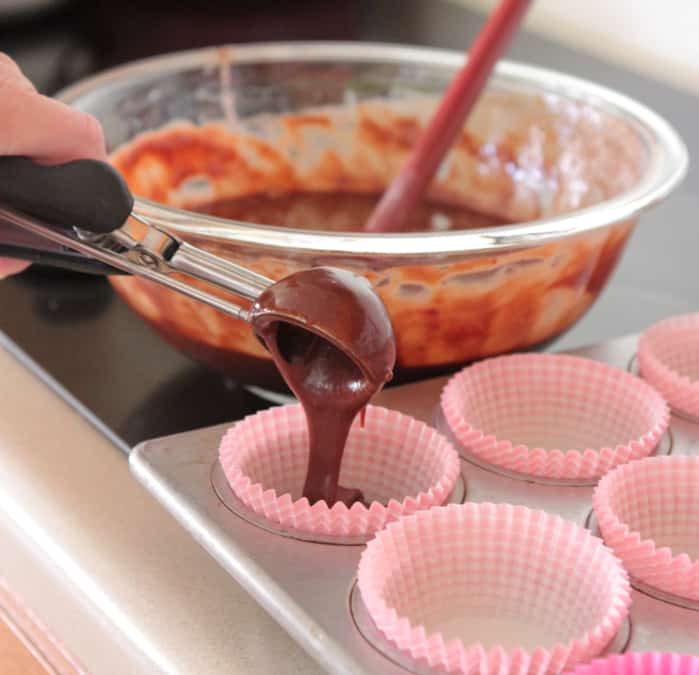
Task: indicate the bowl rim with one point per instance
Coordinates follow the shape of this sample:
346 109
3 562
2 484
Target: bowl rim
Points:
668 158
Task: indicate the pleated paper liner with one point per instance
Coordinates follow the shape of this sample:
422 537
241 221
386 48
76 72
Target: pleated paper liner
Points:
668 358
366 627
493 589
642 663
400 464
648 513
553 416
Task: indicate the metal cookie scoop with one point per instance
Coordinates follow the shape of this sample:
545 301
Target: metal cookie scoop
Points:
332 340
327 330
79 216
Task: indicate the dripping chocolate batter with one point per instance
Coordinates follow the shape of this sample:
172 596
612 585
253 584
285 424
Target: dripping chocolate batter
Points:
332 340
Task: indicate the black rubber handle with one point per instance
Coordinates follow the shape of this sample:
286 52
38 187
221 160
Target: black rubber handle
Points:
86 193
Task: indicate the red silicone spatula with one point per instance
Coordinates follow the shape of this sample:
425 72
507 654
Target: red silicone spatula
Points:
410 185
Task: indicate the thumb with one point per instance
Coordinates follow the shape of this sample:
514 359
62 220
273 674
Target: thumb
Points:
40 127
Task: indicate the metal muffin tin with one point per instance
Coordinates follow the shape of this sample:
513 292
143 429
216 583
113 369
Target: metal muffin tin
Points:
307 583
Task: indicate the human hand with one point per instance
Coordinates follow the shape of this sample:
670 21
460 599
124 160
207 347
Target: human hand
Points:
41 128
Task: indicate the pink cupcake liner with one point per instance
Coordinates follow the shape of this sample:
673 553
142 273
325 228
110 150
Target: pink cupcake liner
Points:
648 513
399 463
668 357
553 415
493 589
646 663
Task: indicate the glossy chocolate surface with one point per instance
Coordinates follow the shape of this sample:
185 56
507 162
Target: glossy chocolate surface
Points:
332 340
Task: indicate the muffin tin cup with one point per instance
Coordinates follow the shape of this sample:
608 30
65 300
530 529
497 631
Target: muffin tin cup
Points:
553 416
645 663
493 589
668 358
400 464
647 513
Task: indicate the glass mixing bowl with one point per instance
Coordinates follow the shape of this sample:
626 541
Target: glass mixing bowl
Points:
569 164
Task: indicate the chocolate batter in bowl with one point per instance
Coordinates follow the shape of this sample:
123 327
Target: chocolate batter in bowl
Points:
272 155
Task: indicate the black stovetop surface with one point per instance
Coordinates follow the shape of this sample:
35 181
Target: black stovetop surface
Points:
78 332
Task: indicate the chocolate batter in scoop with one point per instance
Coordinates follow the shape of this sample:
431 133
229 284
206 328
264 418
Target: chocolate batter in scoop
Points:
332 340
